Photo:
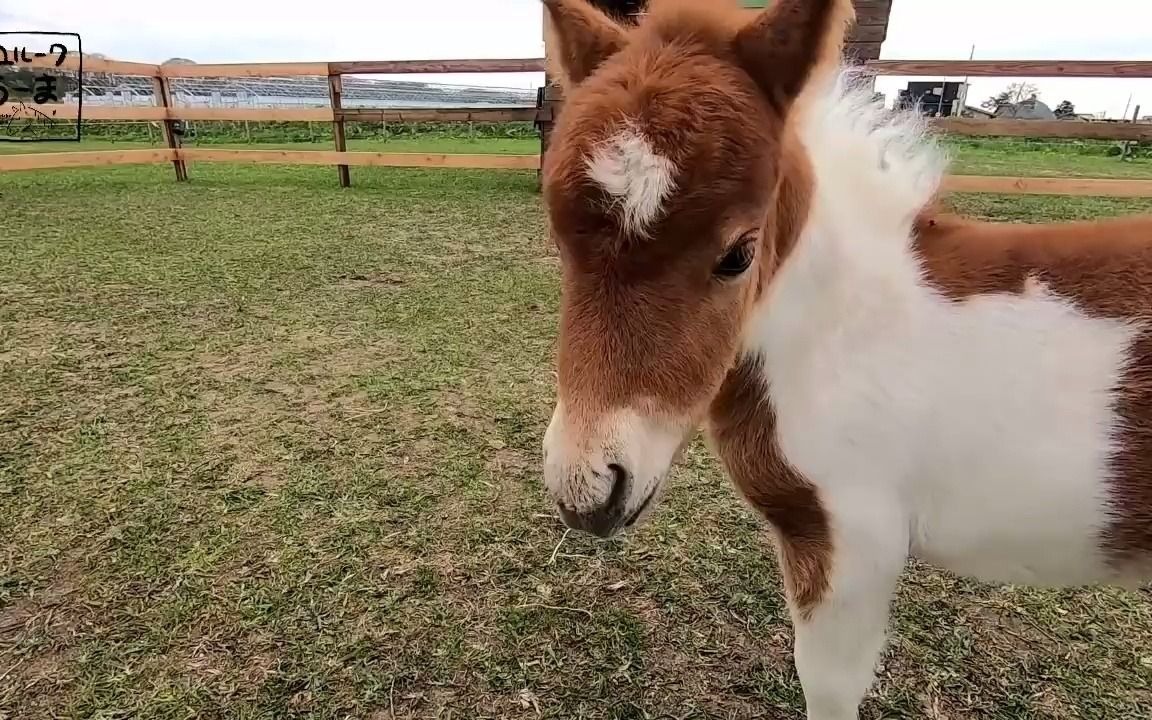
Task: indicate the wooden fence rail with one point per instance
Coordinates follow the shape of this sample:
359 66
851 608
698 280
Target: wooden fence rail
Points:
146 113
150 113
167 112
377 159
1015 68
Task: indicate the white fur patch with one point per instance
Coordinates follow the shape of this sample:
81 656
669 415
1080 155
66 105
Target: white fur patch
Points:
879 159
989 423
637 177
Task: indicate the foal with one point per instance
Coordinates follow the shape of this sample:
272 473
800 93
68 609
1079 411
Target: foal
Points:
748 242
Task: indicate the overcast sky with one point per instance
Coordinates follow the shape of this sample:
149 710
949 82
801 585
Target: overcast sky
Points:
265 30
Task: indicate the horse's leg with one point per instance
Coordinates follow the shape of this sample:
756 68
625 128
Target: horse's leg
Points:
840 637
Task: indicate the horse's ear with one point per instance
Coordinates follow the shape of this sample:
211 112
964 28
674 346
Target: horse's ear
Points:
791 42
579 38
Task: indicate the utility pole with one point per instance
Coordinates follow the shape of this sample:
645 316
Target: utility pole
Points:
962 100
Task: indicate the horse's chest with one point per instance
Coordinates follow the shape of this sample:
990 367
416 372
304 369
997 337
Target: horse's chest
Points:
992 428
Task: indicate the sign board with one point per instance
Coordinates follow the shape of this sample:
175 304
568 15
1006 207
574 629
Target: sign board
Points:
34 86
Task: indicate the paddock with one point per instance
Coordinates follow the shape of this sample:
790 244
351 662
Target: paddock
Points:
269 447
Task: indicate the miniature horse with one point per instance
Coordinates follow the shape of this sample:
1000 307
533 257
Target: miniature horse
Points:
748 242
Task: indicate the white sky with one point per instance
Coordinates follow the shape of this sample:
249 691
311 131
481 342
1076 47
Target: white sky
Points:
267 30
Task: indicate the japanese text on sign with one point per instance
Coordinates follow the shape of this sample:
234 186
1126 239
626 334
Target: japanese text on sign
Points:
34 83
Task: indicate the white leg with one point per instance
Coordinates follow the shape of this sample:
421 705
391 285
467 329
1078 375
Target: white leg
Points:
839 640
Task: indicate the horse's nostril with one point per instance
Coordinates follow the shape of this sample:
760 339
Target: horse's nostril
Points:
603 519
621 486
620 476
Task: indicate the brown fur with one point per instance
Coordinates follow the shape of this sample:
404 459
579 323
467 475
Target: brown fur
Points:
583 38
742 423
778 46
1105 267
643 321
632 303
743 431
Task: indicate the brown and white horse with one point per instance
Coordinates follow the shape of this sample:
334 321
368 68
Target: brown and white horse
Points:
749 243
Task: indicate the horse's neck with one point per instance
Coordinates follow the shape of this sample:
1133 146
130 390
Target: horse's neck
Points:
846 273
855 178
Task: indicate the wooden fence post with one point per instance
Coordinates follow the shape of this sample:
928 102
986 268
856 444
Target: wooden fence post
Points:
548 99
164 99
335 88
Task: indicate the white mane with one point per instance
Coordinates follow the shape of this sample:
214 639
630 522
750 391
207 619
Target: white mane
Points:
874 170
883 159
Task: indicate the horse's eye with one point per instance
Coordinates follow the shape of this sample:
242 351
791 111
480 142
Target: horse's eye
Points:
736 260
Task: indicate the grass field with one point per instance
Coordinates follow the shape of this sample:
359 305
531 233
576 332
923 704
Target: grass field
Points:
972 157
269 449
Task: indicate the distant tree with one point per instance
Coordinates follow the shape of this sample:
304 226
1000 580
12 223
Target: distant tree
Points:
995 101
1065 110
178 61
1013 94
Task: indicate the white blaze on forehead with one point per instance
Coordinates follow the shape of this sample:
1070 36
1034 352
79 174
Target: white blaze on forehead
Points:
633 173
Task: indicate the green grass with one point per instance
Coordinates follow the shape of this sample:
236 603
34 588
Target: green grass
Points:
1015 159
984 157
269 449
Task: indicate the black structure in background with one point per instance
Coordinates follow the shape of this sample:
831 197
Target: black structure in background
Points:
929 99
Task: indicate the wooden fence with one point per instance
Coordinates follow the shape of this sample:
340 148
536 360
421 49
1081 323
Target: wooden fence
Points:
168 114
